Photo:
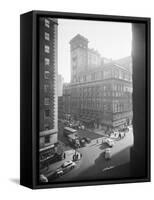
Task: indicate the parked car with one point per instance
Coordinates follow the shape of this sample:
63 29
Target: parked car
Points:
114 135
59 172
126 129
108 141
82 142
88 140
43 178
108 154
65 167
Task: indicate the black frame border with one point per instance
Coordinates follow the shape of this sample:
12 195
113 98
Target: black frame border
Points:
34 171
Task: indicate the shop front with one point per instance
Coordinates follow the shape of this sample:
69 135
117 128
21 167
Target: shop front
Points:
46 154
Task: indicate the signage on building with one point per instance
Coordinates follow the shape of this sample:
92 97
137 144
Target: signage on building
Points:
119 122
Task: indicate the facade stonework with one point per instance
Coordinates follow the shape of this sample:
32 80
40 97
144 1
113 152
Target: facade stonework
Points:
48 86
100 92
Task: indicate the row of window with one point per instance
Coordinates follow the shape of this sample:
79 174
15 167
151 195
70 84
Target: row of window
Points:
46 101
46 36
47 112
47 23
116 107
101 75
96 94
47 49
46 60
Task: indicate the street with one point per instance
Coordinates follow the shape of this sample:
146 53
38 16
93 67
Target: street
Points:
93 163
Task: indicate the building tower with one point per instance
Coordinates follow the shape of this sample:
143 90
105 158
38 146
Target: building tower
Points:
48 88
79 56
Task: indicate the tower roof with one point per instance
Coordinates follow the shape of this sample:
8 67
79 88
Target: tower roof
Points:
78 38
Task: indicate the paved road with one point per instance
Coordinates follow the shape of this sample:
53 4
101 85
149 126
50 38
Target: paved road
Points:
94 165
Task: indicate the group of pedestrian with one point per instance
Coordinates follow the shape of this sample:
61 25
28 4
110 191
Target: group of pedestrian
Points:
77 156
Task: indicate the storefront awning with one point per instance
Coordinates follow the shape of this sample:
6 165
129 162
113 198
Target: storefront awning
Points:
87 120
46 148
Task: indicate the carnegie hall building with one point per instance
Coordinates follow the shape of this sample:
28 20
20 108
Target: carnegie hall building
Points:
100 91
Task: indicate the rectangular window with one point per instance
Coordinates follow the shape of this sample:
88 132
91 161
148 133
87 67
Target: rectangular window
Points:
47 23
46 127
46 101
46 61
46 88
93 76
47 138
46 36
47 50
47 113
46 74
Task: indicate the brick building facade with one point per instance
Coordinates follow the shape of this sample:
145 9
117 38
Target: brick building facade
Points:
100 92
48 86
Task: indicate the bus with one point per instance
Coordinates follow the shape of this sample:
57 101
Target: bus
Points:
67 131
72 137
73 140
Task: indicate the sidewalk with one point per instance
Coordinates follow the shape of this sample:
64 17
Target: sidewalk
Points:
52 167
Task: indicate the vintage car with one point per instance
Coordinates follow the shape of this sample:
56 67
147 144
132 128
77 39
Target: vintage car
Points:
65 167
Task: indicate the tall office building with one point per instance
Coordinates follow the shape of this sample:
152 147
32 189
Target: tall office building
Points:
48 88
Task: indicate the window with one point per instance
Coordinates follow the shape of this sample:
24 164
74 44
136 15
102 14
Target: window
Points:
93 76
47 138
46 101
47 50
105 107
47 113
46 88
46 61
46 126
102 75
46 74
47 23
47 36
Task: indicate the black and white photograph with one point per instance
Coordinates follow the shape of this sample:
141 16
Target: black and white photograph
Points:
85 100
76 100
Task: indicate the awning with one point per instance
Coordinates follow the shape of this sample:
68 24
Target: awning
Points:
46 148
87 120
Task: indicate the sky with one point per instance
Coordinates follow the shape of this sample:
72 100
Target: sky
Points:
110 39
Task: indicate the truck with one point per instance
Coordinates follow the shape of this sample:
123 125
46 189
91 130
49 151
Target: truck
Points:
68 131
72 137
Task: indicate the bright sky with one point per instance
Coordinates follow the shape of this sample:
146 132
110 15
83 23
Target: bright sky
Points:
111 39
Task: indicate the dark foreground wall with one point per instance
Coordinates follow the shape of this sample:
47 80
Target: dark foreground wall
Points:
141 88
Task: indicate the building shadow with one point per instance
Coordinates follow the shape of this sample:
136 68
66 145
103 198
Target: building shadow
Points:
106 169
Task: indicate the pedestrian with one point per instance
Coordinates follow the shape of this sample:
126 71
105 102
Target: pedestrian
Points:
64 155
47 166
